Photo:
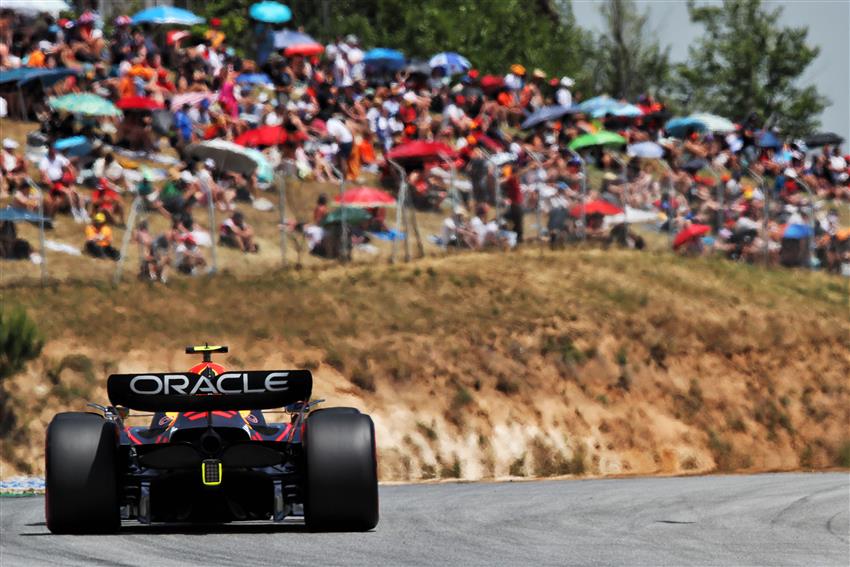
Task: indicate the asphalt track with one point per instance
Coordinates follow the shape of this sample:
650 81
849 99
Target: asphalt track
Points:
771 519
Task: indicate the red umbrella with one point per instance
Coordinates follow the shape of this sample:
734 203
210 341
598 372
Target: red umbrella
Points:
492 82
305 49
689 233
139 103
366 197
597 207
262 136
421 150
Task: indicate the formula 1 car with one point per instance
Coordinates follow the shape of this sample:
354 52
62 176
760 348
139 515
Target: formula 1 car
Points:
209 455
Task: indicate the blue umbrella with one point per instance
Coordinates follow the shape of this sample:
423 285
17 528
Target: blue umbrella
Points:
628 110
646 150
75 146
11 214
797 231
384 58
767 139
599 105
167 15
271 12
254 79
546 114
453 63
678 127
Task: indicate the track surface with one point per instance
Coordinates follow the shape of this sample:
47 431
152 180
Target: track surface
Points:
772 519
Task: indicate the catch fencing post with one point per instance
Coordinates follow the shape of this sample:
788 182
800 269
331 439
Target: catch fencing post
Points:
583 192
343 245
125 241
811 223
40 230
399 212
765 223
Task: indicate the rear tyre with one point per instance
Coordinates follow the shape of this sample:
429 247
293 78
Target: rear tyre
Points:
81 475
341 492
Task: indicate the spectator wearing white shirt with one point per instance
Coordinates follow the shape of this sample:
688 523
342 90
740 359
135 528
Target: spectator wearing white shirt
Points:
343 138
58 173
563 96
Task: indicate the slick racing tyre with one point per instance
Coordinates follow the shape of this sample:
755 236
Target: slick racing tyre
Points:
81 476
341 492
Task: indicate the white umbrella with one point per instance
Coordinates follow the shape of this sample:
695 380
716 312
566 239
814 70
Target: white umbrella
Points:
52 7
714 123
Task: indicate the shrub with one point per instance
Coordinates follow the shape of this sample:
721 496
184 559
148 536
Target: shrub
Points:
843 457
20 340
426 431
451 471
506 385
461 399
363 379
517 467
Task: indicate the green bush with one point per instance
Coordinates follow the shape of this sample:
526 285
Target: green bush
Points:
20 340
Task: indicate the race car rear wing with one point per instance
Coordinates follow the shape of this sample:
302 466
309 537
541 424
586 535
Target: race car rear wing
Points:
238 390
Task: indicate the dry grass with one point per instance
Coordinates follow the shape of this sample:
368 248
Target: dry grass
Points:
480 365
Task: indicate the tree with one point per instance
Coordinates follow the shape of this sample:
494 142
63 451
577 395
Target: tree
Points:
492 35
747 63
626 63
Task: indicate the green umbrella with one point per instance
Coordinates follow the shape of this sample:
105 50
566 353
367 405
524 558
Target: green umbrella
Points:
601 138
353 215
86 104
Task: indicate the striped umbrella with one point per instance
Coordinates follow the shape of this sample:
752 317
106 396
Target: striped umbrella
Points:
453 63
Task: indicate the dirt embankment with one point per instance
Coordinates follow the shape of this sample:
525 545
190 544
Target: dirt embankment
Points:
483 366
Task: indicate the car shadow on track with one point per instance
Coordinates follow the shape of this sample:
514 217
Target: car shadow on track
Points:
191 529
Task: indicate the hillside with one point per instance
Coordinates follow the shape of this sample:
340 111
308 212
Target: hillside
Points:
485 365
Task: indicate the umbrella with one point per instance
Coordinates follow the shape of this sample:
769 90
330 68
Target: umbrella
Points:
262 136
492 82
714 123
384 58
52 7
418 68
270 12
75 146
162 121
11 214
353 215
546 114
305 49
824 139
286 38
601 138
694 165
767 139
254 79
233 157
679 127
419 150
597 207
167 15
366 197
627 110
646 150
797 231
599 104
453 63
191 99
139 103
689 233
86 104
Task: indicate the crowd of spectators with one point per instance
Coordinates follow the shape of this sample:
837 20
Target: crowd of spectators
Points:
337 115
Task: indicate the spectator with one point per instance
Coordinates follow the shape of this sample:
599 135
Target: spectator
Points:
99 239
58 173
237 233
188 257
153 253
